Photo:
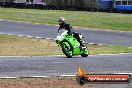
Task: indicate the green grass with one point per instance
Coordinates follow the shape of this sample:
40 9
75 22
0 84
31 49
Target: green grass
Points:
113 21
11 45
106 49
22 46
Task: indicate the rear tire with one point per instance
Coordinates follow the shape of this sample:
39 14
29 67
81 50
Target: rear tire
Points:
67 50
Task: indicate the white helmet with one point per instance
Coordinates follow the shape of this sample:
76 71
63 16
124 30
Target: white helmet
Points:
61 19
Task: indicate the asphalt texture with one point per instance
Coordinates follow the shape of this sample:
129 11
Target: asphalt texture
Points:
60 65
48 31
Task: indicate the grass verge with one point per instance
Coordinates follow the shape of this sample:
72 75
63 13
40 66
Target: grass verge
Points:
11 45
114 21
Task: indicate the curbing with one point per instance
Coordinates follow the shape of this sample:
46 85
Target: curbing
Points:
22 77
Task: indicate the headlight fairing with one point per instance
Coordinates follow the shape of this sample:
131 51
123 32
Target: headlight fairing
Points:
59 38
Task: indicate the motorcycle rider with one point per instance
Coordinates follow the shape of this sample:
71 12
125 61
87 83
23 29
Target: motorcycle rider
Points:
64 25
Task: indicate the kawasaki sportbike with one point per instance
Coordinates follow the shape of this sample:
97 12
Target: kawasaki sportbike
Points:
70 46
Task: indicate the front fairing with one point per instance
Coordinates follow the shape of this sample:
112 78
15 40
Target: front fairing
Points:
61 36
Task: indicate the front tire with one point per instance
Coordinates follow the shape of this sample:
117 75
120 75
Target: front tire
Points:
85 53
67 50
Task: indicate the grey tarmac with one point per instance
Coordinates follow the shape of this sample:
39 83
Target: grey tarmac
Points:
49 31
60 65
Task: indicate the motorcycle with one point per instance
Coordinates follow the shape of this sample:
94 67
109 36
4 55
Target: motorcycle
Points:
70 46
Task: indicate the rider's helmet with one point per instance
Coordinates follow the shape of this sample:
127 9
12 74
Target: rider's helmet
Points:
61 19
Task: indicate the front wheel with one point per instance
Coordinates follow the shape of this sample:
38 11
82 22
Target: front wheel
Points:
85 53
67 50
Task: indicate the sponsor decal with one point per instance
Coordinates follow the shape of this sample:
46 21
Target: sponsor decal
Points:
83 78
77 45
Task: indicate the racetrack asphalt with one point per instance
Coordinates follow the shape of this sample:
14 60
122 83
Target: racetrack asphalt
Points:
48 31
60 65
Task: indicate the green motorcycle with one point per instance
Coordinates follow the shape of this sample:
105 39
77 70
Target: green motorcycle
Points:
70 46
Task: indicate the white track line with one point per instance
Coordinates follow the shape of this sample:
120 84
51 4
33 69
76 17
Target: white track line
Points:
17 56
8 77
37 23
123 53
39 76
124 73
67 75
29 36
9 34
20 35
37 37
107 54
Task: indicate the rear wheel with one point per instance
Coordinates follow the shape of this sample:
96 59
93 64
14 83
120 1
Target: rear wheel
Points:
67 50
